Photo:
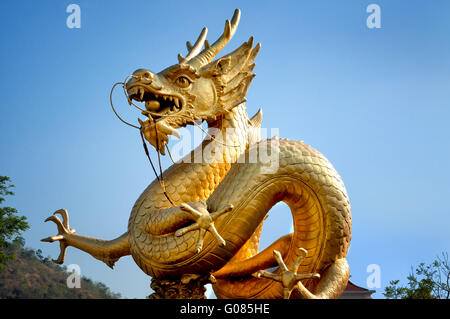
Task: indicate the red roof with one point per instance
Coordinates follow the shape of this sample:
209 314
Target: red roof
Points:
352 287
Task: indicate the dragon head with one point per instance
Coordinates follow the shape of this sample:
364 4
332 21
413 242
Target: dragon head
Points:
196 88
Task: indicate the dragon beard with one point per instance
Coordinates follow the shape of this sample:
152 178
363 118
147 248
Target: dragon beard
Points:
159 125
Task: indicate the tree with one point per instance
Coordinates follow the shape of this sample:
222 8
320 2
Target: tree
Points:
11 225
39 255
430 281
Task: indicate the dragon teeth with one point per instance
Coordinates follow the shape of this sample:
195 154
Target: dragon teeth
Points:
177 102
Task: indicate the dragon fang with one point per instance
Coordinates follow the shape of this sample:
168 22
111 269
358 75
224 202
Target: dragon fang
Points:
211 233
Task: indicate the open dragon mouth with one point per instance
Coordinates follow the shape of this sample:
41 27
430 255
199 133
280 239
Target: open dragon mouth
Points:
158 107
157 104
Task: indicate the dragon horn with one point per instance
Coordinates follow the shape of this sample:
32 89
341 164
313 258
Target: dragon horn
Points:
195 49
211 51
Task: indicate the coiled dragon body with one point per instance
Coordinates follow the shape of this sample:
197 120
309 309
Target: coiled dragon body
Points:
205 216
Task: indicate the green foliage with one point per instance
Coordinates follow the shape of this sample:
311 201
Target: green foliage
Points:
425 282
11 225
32 276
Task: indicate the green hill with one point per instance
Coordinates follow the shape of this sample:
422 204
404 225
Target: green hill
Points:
30 276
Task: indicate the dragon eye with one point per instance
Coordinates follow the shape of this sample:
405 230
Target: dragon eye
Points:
183 82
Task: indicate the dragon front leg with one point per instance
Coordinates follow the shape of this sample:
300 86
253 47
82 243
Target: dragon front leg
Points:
63 230
108 251
204 221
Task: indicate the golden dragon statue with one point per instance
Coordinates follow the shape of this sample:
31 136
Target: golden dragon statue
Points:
204 217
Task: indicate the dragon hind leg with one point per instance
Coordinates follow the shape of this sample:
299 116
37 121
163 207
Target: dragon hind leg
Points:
330 283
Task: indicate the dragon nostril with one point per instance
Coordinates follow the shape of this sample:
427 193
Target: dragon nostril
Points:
147 75
142 74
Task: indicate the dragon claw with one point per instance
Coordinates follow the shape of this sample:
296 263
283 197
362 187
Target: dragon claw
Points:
63 230
288 277
204 221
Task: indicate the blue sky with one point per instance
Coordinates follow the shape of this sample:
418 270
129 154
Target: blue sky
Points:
375 102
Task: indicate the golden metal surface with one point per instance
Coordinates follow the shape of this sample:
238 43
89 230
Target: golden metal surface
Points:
219 205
